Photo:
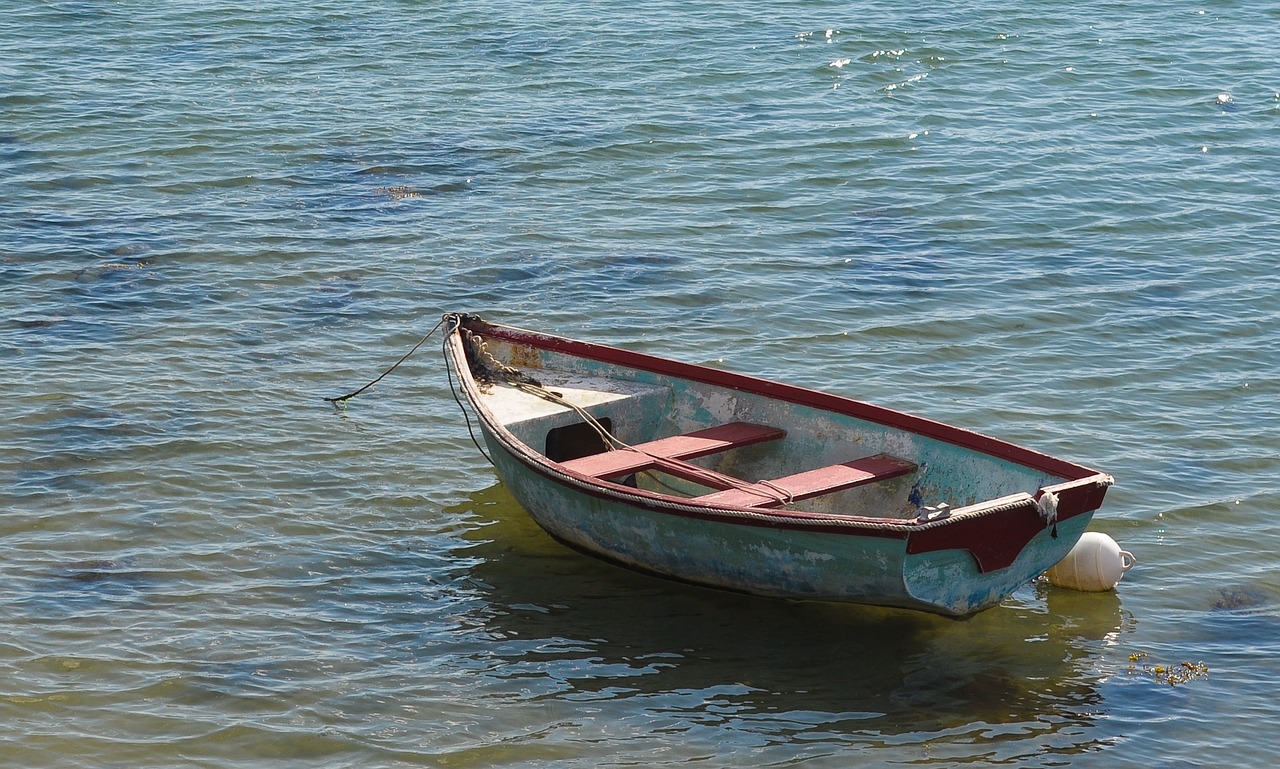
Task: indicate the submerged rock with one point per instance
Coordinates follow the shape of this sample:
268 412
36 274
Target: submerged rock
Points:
1240 599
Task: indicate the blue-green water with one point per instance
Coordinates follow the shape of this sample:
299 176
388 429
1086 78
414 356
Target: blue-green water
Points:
1054 223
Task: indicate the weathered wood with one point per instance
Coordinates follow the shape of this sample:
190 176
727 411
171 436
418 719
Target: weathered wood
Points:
812 483
612 464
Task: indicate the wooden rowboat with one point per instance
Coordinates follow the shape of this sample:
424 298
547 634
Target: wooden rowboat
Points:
736 482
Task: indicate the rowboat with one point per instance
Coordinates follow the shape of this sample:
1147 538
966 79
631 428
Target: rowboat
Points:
736 482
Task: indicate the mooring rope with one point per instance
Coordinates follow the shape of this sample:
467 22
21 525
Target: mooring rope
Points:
354 393
466 416
446 318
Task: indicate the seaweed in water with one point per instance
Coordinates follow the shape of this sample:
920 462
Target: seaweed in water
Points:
1172 675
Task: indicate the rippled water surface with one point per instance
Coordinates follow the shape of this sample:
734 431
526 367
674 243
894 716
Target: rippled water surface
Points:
1054 223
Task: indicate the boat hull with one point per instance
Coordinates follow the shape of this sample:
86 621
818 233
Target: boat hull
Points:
1019 512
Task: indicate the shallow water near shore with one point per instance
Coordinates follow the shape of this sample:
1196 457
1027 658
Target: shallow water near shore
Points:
1051 224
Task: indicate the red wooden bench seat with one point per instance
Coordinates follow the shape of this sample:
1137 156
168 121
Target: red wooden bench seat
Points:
812 483
668 455
621 462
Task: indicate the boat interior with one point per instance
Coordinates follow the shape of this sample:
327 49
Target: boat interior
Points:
725 446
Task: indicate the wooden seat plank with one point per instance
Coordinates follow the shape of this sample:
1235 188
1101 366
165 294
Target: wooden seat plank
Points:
712 440
812 483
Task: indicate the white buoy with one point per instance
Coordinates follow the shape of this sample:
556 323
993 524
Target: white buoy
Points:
1096 564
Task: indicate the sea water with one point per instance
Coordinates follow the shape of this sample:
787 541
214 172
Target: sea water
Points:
1052 223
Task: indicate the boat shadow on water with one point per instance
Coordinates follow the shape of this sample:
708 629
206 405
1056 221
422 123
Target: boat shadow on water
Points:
574 628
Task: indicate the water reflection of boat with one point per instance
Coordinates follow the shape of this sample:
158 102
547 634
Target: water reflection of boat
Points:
650 463
574 630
